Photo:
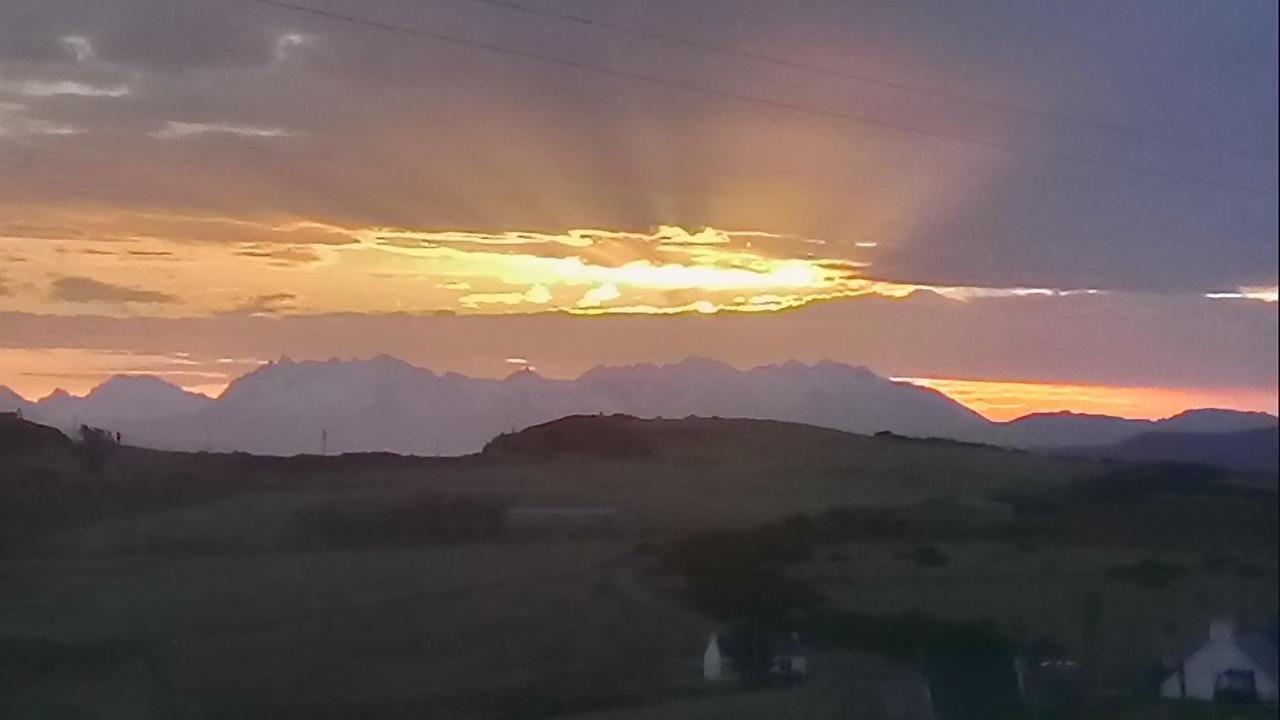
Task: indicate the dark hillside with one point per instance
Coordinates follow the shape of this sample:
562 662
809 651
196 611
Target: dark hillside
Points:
1249 450
606 436
18 436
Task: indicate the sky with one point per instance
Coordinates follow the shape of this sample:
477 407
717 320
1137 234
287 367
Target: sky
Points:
1026 206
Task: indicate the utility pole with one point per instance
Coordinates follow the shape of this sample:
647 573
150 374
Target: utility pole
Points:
324 441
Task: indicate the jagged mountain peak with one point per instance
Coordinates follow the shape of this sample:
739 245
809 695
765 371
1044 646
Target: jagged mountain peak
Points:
56 395
7 394
134 383
384 403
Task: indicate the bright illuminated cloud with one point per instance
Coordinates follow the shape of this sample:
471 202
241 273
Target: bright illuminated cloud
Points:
535 295
79 46
219 265
975 293
287 43
1262 294
174 129
15 121
597 296
52 88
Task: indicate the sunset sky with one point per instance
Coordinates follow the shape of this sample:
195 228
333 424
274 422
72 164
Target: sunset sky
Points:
1025 206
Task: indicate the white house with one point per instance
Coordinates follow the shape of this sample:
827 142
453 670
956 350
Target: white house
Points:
1232 661
713 661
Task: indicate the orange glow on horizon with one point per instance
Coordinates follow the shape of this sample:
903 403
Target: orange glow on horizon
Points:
1004 400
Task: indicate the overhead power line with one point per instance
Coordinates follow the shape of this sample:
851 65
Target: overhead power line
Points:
1002 106
761 100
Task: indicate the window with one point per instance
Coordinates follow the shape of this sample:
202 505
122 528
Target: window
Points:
1236 685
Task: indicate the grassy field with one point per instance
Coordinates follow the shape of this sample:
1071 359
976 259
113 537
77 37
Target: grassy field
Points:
474 631
1045 592
842 682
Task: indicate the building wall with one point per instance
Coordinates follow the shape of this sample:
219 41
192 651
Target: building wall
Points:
712 661
1203 668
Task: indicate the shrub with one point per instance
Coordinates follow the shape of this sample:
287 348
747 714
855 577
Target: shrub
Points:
94 447
913 637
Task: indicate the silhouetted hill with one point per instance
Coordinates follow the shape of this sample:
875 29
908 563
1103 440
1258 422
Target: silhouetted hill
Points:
1249 450
1070 430
1216 420
662 473
18 436
612 436
1128 483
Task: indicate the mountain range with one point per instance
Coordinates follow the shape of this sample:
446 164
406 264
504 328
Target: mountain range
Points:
385 404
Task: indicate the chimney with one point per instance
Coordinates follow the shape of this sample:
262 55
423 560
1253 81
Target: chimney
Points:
1222 630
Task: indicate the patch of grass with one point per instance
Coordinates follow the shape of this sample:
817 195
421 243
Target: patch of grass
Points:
1159 709
403 520
472 630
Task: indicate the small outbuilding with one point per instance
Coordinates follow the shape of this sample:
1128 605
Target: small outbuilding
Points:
782 658
1234 664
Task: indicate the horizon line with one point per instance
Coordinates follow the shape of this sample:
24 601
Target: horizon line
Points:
928 383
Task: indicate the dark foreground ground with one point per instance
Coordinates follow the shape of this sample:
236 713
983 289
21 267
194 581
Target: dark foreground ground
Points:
545 578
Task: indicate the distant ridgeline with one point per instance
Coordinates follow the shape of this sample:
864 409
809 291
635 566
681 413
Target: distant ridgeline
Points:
386 405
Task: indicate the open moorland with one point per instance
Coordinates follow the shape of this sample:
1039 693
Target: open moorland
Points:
579 567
